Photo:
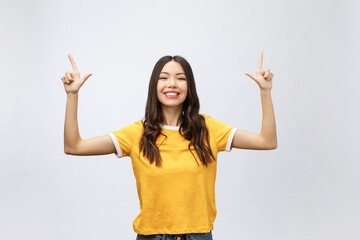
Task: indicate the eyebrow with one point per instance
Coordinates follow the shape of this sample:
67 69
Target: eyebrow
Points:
176 74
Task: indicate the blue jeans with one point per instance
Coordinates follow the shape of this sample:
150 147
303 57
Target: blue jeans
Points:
188 236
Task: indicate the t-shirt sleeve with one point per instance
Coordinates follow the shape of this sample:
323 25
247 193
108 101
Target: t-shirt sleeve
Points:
125 138
222 133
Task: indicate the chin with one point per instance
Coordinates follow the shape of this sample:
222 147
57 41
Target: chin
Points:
167 104
172 105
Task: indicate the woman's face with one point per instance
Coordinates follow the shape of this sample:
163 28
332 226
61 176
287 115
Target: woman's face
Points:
172 85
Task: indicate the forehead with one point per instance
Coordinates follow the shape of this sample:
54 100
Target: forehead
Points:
173 67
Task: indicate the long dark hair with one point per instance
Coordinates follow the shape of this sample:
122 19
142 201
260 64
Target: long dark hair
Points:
193 126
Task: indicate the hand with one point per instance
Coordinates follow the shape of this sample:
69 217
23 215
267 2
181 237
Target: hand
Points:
263 76
72 81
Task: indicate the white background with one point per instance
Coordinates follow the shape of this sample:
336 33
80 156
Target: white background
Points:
307 188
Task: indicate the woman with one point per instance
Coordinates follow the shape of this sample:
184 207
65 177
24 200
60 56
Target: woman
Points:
173 150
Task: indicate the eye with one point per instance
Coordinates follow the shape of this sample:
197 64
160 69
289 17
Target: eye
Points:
182 78
162 78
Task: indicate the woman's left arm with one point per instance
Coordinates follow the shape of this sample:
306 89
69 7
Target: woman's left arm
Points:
267 139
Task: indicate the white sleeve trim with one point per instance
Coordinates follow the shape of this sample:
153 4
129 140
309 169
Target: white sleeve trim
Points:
231 137
116 144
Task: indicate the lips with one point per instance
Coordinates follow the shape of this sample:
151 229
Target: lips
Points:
171 94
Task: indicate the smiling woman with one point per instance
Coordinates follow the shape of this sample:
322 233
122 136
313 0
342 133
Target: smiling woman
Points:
173 149
174 74
171 90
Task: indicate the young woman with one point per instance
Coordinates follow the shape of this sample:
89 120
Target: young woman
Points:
173 149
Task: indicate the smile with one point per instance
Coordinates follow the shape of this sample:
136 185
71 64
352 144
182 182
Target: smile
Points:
171 95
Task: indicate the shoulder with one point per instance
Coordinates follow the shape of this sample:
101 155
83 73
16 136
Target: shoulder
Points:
133 128
213 123
207 117
208 120
138 125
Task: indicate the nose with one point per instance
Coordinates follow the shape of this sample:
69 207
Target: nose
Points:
172 82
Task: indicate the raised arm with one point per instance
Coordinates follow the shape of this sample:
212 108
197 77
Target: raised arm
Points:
267 139
73 144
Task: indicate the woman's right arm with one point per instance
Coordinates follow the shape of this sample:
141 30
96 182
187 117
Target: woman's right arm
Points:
73 144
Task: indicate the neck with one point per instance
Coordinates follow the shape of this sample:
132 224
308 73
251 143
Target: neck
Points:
171 116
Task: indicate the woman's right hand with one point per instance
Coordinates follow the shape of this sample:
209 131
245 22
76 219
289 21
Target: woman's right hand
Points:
72 80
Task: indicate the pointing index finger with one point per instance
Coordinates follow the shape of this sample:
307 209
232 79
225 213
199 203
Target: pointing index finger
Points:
73 64
260 61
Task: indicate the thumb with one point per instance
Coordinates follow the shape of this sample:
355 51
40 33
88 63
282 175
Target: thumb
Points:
86 76
250 75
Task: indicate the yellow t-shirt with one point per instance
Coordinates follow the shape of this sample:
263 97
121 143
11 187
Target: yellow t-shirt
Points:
179 197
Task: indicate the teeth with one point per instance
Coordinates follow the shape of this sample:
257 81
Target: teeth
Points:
171 94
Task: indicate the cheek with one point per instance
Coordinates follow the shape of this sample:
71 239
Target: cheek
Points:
158 88
184 88
159 94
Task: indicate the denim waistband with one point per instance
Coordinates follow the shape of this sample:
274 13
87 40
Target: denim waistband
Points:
188 236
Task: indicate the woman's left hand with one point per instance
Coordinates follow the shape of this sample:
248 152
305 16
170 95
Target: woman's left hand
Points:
263 76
